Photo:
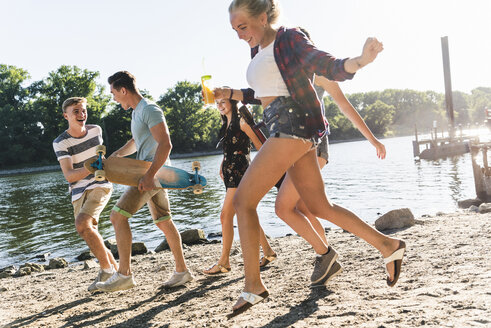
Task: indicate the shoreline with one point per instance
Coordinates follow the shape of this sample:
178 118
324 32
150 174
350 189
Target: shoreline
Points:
56 167
444 282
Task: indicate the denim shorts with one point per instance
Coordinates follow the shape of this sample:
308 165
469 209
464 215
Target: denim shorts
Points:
323 148
284 119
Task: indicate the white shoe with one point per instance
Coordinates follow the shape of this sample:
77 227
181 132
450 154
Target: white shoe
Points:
178 279
116 282
101 277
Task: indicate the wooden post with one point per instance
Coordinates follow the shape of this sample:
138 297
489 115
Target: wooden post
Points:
448 85
485 158
476 170
415 142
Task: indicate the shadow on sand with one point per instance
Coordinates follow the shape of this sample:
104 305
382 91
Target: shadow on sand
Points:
93 318
300 311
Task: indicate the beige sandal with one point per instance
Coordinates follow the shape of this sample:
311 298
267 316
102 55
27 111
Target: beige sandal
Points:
395 257
221 269
251 300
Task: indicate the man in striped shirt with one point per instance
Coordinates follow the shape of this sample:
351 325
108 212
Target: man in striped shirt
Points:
89 197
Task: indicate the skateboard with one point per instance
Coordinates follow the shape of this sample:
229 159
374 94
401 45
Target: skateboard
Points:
128 171
249 119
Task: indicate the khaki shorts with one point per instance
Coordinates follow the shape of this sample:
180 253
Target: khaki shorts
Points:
132 200
92 202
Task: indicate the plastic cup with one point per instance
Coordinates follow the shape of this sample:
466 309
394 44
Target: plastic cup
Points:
208 96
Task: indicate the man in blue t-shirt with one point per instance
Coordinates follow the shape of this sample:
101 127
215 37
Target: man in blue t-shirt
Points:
151 142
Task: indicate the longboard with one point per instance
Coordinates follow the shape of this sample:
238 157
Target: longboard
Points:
128 171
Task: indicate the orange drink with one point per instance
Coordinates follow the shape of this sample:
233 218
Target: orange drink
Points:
208 96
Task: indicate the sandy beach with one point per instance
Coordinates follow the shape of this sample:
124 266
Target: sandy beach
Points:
444 283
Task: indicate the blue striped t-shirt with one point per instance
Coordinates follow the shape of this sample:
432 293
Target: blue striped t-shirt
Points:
80 150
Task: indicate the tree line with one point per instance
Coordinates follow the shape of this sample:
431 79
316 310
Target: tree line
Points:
395 112
31 116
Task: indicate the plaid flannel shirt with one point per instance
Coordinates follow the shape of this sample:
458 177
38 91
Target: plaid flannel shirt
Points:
298 59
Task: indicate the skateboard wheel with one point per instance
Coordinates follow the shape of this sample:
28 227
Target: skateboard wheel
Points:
101 149
196 165
100 175
198 190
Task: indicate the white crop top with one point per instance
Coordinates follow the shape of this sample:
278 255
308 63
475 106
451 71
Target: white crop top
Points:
263 75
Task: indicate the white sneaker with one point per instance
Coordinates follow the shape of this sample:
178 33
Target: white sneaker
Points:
116 282
178 279
101 277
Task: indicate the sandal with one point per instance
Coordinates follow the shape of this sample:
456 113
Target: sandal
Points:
396 257
265 260
221 269
251 299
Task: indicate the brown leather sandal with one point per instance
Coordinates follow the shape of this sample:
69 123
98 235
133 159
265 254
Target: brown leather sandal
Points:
265 260
221 269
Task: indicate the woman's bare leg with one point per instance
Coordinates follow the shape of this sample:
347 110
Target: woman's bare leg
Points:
227 221
292 210
275 156
316 225
311 217
263 241
286 210
307 179
272 160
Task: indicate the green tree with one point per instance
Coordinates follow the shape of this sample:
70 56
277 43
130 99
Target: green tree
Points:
65 82
378 117
340 126
480 99
257 112
461 107
11 90
116 125
19 129
192 126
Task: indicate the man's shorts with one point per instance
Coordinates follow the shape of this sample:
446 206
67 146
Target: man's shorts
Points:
133 200
92 202
323 148
284 119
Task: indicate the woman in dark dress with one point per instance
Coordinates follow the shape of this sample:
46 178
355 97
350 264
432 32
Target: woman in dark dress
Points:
236 136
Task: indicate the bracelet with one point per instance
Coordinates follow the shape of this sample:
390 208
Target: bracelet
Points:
231 94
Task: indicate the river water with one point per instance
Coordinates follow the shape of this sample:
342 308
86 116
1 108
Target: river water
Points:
36 215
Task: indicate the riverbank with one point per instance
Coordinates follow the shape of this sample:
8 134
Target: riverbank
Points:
56 167
444 282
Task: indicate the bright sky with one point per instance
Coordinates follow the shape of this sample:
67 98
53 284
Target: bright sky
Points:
162 42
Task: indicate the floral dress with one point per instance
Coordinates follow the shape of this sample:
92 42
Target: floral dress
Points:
236 155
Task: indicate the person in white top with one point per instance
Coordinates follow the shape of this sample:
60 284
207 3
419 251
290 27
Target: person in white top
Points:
295 124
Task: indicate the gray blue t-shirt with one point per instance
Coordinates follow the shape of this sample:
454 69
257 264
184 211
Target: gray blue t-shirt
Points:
144 117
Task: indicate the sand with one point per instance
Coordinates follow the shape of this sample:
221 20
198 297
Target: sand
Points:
445 282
